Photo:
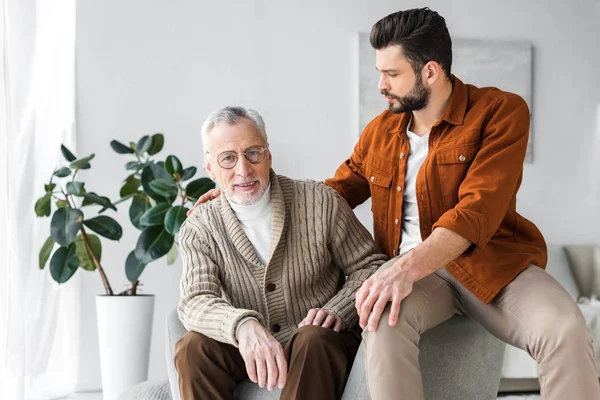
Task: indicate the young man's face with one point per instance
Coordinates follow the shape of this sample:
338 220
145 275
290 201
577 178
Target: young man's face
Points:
245 183
402 88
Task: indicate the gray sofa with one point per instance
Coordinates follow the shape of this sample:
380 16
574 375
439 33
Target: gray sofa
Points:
459 361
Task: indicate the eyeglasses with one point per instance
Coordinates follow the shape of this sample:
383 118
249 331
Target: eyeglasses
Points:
229 159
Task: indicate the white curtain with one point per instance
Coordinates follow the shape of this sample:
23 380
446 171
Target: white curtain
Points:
38 318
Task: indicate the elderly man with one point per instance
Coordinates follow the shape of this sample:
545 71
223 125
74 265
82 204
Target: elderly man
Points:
274 262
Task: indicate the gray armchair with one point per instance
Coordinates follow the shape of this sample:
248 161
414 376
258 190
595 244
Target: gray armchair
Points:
459 361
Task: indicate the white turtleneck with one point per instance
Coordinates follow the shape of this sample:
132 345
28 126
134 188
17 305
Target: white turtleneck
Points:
255 220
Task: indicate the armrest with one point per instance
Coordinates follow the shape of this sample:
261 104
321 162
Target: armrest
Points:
584 261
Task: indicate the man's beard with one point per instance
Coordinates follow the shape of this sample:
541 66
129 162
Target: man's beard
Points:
416 100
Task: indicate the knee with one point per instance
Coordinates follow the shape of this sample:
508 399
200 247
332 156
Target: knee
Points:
407 325
568 330
192 351
561 333
314 337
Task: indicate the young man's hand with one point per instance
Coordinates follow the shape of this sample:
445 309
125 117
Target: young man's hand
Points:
390 284
208 196
263 355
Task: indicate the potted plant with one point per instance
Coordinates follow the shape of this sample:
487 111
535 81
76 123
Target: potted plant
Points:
80 249
157 209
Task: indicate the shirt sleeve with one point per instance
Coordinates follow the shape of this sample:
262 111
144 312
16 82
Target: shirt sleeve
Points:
202 307
347 180
354 251
494 175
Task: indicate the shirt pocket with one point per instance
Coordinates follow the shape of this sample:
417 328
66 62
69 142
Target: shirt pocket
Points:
379 184
453 164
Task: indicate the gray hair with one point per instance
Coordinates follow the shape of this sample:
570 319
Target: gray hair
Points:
231 115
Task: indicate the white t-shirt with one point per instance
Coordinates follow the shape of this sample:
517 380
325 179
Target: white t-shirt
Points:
255 220
411 232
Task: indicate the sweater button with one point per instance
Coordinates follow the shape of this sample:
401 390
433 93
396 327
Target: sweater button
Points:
270 287
275 328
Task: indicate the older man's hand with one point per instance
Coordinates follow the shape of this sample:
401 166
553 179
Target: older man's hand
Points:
390 284
324 318
208 196
263 355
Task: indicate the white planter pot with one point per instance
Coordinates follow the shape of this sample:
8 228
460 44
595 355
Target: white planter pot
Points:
124 334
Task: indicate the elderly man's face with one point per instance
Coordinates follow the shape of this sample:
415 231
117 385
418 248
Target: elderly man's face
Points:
246 182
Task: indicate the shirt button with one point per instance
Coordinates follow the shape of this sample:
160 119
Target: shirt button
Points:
396 221
462 158
270 287
275 328
395 252
401 155
399 188
372 179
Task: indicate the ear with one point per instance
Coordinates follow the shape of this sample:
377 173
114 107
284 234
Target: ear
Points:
208 168
432 71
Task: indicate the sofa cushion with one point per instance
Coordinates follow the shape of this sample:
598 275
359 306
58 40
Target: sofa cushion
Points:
558 267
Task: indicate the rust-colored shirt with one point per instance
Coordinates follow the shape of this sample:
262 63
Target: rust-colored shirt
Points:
468 183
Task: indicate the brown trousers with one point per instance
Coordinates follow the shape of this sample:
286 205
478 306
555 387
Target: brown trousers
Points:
319 360
533 313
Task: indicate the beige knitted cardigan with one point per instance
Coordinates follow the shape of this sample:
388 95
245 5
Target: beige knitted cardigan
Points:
316 241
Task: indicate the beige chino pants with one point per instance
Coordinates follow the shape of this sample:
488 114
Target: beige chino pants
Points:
533 313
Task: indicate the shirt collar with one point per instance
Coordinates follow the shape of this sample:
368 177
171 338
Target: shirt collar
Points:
457 107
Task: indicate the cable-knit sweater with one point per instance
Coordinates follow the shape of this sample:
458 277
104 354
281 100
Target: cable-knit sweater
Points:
320 254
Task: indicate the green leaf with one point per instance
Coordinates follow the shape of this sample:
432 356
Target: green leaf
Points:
139 205
132 165
49 187
64 263
158 140
173 165
188 173
130 186
172 255
62 204
155 215
62 172
120 147
83 163
65 225
151 173
153 243
133 267
174 218
101 200
105 226
198 187
164 187
67 154
42 206
74 188
144 144
46 251
86 260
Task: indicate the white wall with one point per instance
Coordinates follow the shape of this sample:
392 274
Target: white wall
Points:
157 66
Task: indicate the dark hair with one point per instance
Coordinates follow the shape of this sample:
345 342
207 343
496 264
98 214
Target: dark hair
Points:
421 32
